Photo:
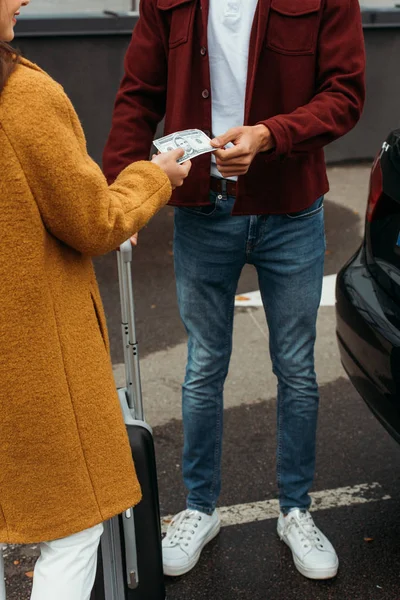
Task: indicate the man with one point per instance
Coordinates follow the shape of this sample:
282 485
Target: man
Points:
278 79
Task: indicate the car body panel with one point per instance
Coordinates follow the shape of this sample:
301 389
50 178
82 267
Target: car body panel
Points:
368 331
368 295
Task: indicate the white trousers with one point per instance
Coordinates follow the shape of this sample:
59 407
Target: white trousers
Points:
66 568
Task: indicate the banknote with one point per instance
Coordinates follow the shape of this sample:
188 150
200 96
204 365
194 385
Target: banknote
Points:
193 141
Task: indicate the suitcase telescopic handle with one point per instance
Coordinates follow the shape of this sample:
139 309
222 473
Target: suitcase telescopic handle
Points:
131 351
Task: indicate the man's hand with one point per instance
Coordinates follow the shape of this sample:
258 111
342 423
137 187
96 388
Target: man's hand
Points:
248 141
134 239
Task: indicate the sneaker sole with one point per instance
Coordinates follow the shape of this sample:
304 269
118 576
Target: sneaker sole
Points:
310 573
172 571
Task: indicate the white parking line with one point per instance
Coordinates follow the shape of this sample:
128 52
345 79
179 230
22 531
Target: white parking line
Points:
253 299
250 299
328 290
239 514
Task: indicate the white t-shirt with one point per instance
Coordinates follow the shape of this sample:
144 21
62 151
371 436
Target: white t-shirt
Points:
229 29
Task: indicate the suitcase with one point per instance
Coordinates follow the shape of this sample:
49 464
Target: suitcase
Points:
130 556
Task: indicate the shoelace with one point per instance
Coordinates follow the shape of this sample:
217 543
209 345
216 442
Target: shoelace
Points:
309 534
181 531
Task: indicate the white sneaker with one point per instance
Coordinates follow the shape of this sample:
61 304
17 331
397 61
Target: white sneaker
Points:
187 534
313 554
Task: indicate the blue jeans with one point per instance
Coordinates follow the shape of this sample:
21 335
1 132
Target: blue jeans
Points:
211 247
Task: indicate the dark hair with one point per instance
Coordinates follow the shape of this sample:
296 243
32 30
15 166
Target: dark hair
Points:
9 59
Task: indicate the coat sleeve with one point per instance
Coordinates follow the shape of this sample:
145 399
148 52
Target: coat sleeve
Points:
75 202
141 100
338 102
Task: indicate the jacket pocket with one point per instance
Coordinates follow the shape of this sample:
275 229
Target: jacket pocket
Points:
293 26
181 15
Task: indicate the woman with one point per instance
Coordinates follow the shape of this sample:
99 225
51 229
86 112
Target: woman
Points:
65 462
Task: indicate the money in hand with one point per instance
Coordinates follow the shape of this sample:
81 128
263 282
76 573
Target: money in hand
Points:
193 141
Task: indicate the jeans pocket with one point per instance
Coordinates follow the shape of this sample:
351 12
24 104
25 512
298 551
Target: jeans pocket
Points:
308 212
202 211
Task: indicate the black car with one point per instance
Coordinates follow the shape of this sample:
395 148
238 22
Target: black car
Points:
368 295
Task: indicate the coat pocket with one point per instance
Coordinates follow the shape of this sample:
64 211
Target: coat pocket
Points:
293 26
101 322
181 15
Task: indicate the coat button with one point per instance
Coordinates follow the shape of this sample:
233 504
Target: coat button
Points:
205 94
203 51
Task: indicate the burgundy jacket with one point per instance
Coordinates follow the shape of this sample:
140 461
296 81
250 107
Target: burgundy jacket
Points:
305 82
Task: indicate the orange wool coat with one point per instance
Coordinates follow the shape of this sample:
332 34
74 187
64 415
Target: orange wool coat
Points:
65 462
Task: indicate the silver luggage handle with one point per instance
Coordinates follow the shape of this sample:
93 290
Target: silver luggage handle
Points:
132 571
133 391
131 350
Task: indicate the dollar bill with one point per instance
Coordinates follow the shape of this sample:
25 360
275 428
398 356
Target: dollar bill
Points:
193 141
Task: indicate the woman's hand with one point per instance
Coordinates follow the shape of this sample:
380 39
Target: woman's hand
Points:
176 172
134 239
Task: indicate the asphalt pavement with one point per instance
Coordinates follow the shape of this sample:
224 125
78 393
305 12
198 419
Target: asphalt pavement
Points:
357 483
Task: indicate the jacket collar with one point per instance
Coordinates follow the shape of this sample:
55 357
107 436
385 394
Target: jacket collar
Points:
27 63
